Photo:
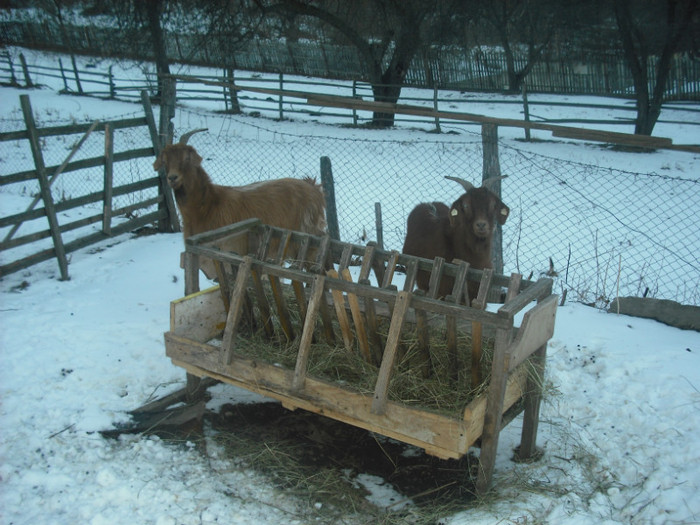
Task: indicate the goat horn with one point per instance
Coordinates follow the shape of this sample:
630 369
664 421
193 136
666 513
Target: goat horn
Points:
488 182
465 184
184 138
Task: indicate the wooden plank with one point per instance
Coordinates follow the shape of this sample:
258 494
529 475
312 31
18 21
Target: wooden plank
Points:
533 401
200 316
479 303
435 277
282 308
366 263
358 319
411 273
458 290
542 288
536 329
390 268
494 410
345 257
513 286
263 304
44 186
440 436
108 181
317 289
340 312
381 389
235 311
423 361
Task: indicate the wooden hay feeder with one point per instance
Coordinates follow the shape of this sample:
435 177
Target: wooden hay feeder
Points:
309 311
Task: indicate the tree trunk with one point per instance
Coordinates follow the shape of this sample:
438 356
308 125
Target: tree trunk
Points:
154 8
385 93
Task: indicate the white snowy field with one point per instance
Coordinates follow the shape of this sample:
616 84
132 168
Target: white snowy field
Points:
620 425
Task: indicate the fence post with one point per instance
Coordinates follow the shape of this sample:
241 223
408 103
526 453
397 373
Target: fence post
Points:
435 107
232 93
44 185
354 95
112 87
492 168
281 96
160 139
329 191
77 77
379 225
27 79
526 112
109 183
63 75
13 78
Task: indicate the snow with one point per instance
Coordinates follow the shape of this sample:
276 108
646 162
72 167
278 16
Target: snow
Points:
619 425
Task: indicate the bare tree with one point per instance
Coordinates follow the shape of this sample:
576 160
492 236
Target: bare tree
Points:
386 33
524 28
653 29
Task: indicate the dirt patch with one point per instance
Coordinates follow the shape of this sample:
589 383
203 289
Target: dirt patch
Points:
322 443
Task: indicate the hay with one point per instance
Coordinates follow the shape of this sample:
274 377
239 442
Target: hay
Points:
440 392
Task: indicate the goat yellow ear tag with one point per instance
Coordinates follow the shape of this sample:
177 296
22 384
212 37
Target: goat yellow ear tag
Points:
504 211
454 212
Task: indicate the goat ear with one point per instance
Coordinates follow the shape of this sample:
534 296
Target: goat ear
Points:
453 215
193 158
503 214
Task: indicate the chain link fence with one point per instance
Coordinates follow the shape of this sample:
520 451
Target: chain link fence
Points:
599 232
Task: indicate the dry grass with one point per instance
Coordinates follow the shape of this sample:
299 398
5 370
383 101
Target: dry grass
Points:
440 391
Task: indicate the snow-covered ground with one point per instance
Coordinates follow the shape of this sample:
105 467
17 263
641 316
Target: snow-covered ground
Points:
620 425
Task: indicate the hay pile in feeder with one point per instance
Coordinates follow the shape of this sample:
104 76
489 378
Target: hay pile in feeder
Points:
440 391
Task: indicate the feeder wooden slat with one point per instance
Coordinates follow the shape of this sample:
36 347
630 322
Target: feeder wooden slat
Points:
458 291
358 319
366 263
392 343
479 303
307 333
263 304
235 311
390 268
341 313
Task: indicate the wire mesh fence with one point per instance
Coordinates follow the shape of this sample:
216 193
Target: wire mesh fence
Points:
599 232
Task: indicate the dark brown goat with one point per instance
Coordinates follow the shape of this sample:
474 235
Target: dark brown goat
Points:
294 204
463 231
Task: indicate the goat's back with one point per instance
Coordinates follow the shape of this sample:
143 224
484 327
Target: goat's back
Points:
426 231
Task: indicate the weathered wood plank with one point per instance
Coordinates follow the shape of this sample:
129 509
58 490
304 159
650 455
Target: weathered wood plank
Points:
381 389
358 319
317 289
235 311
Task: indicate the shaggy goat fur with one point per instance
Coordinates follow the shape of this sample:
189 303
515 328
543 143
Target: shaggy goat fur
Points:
464 231
294 204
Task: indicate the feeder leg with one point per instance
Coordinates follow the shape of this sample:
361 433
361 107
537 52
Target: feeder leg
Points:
533 399
494 411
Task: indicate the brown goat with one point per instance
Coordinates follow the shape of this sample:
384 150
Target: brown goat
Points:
463 231
294 204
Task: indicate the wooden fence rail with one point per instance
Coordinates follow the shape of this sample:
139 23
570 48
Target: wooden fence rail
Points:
158 195
280 94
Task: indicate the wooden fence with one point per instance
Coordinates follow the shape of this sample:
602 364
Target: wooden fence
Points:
280 95
436 66
149 195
